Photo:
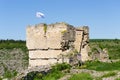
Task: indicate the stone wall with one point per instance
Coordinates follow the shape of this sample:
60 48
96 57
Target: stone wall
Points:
46 42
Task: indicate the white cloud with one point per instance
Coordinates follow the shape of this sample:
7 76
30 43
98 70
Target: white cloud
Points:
40 15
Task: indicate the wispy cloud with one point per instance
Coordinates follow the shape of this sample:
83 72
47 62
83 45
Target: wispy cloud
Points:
40 15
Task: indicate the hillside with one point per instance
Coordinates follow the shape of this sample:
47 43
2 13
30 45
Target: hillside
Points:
14 58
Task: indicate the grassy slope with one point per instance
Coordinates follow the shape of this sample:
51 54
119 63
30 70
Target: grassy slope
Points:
81 76
13 53
8 45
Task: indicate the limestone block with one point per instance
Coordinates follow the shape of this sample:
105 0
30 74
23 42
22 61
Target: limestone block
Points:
72 35
44 53
78 40
39 62
54 35
79 28
86 38
69 34
54 39
84 53
36 38
104 55
63 60
86 29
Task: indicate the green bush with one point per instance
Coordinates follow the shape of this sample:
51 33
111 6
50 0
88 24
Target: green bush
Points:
45 28
81 76
60 67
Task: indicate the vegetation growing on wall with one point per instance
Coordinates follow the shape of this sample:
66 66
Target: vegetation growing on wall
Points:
45 28
63 32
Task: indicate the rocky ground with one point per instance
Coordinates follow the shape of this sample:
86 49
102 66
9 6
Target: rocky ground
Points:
12 59
97 75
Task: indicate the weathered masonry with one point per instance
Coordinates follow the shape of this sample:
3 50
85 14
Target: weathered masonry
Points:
46 42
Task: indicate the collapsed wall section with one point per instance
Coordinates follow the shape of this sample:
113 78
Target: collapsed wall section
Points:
81 42
46 42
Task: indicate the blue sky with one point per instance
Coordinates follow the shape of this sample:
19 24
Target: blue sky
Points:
102 16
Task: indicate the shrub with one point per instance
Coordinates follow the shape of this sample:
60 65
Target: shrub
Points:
60 67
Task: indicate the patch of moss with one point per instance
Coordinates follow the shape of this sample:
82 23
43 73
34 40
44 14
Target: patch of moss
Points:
45 28
64 31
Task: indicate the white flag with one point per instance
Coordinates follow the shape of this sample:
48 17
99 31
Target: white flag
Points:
40 15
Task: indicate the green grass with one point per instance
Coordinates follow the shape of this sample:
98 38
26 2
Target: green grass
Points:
102 66
53 76
60 67
81 76
109 74
117 79
56 72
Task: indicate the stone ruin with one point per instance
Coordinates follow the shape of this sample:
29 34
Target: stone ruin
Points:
100 54
46 42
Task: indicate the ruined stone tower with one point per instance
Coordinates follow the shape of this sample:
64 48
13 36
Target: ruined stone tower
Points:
46 42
